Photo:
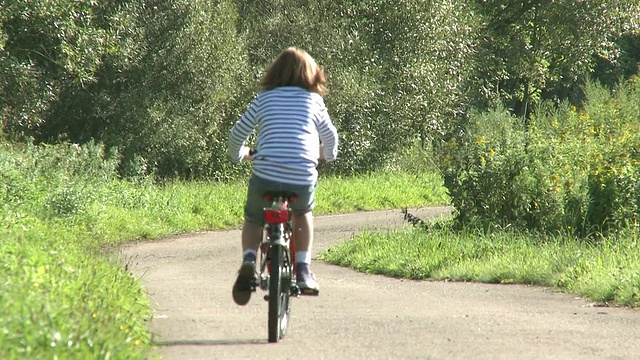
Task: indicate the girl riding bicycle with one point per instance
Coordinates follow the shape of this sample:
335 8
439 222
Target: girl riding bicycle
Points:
292 121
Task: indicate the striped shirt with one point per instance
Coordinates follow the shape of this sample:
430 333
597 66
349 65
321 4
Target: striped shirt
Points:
291 123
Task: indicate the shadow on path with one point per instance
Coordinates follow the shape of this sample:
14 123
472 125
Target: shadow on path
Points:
195 342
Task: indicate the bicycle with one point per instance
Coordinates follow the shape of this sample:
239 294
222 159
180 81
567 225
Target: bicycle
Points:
277 260
277 263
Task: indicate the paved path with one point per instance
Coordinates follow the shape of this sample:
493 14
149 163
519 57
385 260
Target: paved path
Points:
360 316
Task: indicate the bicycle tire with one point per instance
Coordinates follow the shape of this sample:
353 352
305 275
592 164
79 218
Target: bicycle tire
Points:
278 294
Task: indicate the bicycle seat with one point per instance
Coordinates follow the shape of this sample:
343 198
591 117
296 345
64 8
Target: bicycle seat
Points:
286 195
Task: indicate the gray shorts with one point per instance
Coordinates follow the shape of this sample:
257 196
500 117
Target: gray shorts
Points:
305 200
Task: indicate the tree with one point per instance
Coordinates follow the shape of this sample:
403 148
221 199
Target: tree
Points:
46 46
537 49
167 99
396 69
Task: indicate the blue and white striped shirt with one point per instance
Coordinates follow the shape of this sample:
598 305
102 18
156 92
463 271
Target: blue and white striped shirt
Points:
291 123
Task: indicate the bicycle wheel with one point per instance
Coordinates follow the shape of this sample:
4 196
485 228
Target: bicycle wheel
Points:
278 293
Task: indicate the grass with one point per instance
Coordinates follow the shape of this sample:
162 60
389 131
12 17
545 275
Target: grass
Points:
127 211
63 296
606 272
59 298
386 190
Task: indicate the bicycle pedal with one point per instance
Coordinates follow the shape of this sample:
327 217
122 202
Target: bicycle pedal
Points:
310 292
294 290
254 285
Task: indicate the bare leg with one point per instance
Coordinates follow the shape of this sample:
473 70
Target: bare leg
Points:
242 288
303 231
251 236
303 237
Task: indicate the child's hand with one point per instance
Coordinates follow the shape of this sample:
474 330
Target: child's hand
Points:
247 154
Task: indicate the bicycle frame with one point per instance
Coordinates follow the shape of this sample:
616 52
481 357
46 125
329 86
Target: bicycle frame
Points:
277 230
278 279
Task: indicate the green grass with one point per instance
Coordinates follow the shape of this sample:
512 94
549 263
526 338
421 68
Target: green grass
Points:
59 298
386 190
606 272
129 212
64 295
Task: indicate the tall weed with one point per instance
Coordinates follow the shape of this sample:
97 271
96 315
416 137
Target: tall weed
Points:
59 299
566 170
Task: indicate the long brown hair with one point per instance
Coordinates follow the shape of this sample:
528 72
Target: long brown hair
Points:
295 67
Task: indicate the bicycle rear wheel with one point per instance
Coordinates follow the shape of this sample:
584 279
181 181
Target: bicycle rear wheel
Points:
279 307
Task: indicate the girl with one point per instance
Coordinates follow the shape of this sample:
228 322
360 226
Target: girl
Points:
292 122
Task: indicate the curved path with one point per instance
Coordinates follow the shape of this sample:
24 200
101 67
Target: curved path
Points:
360 316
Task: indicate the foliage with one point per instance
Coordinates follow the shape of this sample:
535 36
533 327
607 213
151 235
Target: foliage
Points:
48 46
572 170
535 50
386 63
169 104
163 81
181 72
193 90
626 66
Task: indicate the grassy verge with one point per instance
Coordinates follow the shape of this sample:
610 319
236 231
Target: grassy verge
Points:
385 190
606 272
127 211
62 296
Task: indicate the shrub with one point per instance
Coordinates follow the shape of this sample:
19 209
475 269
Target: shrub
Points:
399 72
48 47
570 169
168 102
58 178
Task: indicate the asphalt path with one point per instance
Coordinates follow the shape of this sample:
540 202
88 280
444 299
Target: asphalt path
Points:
359 316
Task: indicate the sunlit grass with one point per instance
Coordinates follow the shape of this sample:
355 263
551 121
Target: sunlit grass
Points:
142 212
384 190
57 298
607 271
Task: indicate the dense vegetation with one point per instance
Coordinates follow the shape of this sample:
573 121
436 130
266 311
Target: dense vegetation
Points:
528 109
163 81
554 203
564 170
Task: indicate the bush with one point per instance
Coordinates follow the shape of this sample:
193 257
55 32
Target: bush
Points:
57 178
168 101
191 67
48 47
397 74
568 170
